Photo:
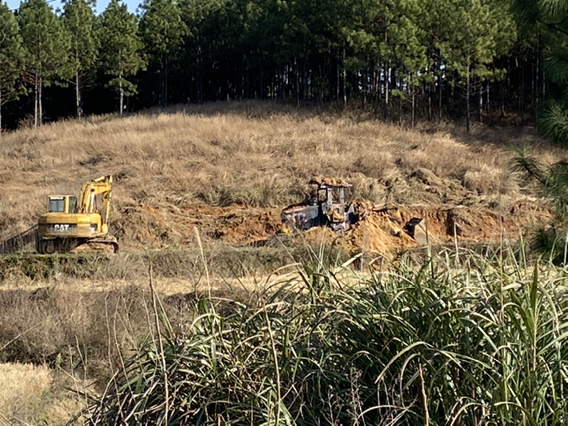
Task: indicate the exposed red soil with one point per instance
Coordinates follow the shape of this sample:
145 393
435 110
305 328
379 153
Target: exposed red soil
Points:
161 227
380 230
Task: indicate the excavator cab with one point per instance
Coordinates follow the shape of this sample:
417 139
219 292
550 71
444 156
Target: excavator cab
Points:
62 204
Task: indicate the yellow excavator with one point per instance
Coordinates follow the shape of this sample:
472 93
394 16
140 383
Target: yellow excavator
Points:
72 225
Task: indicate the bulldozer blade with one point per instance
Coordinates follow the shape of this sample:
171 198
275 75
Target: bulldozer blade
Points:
416 228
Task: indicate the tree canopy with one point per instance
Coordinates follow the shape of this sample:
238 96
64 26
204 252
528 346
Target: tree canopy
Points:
11 56
404 60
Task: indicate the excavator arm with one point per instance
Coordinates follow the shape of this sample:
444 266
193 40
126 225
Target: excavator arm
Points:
100 186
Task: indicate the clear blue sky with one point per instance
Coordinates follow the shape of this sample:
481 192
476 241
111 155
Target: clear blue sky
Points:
101 4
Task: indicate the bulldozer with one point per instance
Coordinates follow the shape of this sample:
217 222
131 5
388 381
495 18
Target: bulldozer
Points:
74 223
326 207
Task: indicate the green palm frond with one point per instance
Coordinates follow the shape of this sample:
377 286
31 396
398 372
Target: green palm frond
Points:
527 12
556 188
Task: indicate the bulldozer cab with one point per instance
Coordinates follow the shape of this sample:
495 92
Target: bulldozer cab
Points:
62 204
330 196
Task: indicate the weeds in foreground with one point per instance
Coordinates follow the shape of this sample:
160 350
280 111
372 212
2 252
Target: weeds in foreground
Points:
477 342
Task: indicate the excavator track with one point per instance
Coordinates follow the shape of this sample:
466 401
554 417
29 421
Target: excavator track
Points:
78 245
97 245
29 240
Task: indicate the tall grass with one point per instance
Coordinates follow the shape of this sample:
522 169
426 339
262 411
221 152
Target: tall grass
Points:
479 341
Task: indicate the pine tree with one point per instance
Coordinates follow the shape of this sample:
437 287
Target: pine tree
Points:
470 41
389 35
46 47
199 18
121 48
11 56
162 31
551 182
79 18
549 18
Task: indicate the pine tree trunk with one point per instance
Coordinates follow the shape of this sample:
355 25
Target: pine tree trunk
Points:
522 99
199 77
487 108
40 103
36 100
78 96
297 82
305 85
282 85
413 89
242 77
440 93
468 117
261 81
537 97
344 81
121 102
387 83
166 81
248 79
400 110
364 87
77 87
480 102
430 102
338 84
376 88
502 99
272 93
162 83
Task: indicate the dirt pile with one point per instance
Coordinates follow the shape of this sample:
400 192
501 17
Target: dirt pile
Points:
324 180
163 227
380 229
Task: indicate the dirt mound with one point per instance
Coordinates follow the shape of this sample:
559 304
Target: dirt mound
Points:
321 180
162 227
381 229
378 232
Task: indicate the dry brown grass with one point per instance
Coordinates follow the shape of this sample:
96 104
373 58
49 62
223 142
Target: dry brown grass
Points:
37 395
82 329
21 393
260 154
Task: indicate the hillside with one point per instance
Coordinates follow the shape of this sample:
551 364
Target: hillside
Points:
229 168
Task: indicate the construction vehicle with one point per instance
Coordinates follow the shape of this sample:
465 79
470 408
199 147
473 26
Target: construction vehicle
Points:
77 224
326 207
